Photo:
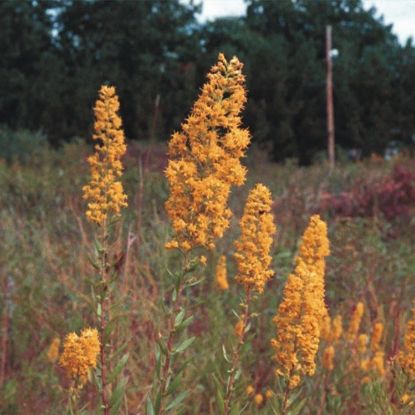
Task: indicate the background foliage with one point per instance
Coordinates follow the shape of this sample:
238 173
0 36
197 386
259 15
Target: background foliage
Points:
55 55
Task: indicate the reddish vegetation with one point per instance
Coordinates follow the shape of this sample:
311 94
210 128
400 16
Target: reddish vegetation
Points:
392 196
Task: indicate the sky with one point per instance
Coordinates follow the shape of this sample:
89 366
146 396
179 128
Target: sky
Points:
401 13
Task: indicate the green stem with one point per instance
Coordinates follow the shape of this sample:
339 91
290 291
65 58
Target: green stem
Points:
171 332
103 318
236 357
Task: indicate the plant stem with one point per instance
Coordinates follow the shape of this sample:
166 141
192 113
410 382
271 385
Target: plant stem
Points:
171 332
236 356
103 318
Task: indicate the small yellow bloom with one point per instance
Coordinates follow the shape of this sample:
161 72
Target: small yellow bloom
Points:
221 274
250 390
365 380
258 399
406 399
203 260
239 328
269 393
53 352
365 365
80 355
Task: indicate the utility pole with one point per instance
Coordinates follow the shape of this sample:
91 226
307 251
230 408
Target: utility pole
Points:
329 97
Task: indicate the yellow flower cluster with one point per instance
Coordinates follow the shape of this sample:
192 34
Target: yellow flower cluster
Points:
298 321
53 351
406 357
104 193
354 324
254 244
204 159
80 355
221 274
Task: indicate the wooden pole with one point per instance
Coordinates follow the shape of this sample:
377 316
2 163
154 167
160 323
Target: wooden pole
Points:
329 96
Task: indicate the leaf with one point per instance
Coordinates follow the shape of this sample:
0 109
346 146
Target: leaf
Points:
179 318
117 396
183 346
297 408
184 324
150 407
176 402
118 368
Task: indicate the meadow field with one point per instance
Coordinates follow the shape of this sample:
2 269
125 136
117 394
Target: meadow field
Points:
170 308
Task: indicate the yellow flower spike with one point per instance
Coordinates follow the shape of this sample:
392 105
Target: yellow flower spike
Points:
354 324
299 316
336 329
53 351
204 159
221 274
328 358
80 355
258 399
325 329
104 192
254 244
203 260
376 336
406 357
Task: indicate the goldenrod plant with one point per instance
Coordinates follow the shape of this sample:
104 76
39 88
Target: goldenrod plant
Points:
106 198
253 261
302 310
204 164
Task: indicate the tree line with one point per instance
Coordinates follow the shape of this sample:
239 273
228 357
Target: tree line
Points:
54 55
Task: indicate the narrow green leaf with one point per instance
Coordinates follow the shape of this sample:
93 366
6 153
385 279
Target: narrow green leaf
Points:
150 407
183 346
117 396
176 402
118 368
179 318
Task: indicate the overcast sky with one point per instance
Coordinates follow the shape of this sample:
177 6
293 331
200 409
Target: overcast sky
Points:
399 12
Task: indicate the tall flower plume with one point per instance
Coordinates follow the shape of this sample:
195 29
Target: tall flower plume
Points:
204 159
80 355
254 244
299 316
104 193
